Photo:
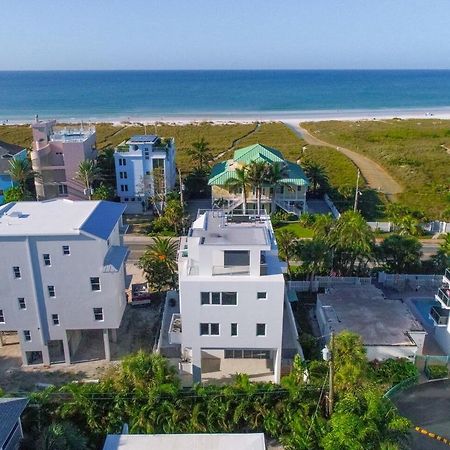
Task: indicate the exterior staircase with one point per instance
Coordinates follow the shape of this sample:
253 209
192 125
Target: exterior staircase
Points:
283 204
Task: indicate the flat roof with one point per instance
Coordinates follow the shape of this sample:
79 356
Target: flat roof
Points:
59 217
141 138
217 229
365 311
220 441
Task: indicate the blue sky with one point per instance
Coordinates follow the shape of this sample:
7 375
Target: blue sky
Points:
224 34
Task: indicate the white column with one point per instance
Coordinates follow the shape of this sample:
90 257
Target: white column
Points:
277 365
66 348
45 355
106 343
196 360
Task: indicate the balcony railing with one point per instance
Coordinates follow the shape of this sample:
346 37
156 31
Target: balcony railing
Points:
439 315
231 270
443 297
447 274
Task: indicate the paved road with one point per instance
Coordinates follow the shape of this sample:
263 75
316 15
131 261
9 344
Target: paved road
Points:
375 175
137 245
428 406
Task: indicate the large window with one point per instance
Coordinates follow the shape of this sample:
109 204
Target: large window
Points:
237 353
218 298
236 258
209 329
95 283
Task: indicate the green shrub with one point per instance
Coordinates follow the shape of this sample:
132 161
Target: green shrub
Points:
436 371
393 371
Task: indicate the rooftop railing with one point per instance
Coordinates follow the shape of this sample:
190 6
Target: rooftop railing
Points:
231 270
439 315
444 296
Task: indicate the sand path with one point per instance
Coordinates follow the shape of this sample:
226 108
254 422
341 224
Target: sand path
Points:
375 175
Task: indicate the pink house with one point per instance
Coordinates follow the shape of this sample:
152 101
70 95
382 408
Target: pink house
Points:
56 156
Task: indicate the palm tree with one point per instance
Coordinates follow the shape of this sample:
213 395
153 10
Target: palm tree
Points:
276 172
240 180
258 173
159 262
200 153
286 240
21 173
316 174
88 172
408 225
62 435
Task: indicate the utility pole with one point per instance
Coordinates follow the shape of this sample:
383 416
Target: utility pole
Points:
355 206
331 382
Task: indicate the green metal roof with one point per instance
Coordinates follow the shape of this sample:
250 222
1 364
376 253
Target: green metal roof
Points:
223 171
257 152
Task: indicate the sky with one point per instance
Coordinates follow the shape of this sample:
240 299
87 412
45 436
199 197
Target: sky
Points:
224 34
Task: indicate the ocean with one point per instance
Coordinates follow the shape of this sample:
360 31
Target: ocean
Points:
128 95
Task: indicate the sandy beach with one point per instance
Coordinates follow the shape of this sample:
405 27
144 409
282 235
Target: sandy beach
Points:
237 117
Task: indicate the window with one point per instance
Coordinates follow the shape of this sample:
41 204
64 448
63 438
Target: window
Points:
124 188
55 319
229 298
260 329
218 298
62 189
2 316
204 296
27 335
209 329
122 162
51 291
123 175
237 353
21 302
261 295
234 329
236 258
66 250
16 271
98 314
95 283
47 261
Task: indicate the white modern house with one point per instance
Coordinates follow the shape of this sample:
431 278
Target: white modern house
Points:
440 314
145 166
231 292
62 266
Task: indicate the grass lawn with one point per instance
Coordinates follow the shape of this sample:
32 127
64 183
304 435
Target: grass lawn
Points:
297 229
411 150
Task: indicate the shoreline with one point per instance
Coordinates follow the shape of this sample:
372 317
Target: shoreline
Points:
221 118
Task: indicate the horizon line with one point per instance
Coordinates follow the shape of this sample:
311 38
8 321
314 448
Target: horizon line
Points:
234 70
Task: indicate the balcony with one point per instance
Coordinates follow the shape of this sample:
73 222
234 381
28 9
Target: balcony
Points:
175 329
443 296
439 315
230 270
447 276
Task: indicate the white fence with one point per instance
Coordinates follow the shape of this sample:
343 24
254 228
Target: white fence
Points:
401 282
385 227
291 352
333 208
327 282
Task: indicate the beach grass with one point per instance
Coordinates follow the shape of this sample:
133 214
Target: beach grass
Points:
413 151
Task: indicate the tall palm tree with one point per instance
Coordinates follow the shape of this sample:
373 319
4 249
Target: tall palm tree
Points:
241 180
258 173
316 174
276 172
21 172
200 153
87 173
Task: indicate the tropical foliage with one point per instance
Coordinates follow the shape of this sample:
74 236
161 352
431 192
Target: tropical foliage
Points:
400 254
87 173
200 154
22 174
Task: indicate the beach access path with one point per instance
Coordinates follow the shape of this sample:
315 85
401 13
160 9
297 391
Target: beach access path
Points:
375 175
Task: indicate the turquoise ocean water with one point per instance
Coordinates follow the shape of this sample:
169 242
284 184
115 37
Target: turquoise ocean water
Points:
134 94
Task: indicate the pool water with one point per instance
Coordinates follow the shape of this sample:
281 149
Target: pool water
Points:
423 306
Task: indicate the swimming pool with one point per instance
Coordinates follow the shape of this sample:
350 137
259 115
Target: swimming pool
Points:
423 306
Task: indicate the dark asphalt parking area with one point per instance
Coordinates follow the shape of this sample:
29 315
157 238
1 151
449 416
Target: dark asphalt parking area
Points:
428 406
